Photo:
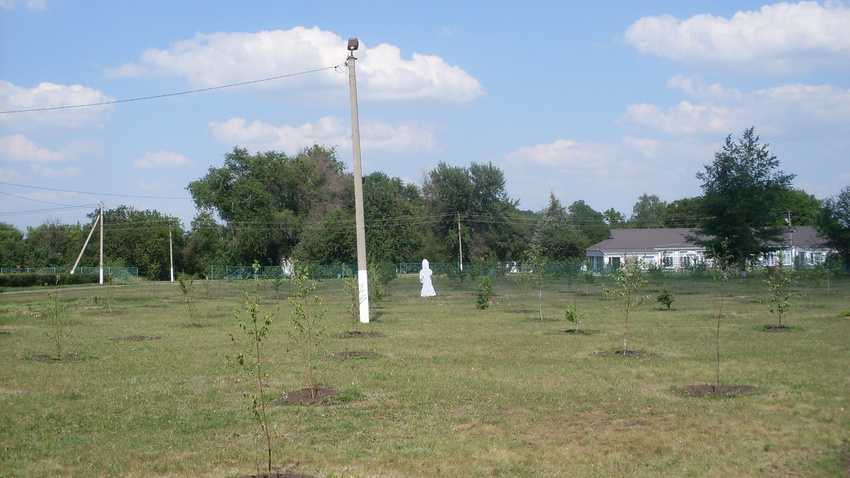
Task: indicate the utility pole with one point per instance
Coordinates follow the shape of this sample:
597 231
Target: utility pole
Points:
362 267
170 252
459 244
101 242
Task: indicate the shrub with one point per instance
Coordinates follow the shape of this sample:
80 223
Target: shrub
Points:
485 291
665 297
33 280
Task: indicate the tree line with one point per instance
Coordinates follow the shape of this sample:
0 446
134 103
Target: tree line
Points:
270 207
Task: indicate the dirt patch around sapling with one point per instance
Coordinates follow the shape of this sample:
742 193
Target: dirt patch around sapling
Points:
348 355
706 390
777 328
318 396
138 338
580 332
623 353
49 358
279 475
360 335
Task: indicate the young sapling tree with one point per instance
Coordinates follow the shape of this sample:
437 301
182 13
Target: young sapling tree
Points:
252 358
572 315
629 282
665 297
779 281
485 292
720 274
58 333
307 329
351 289
187 288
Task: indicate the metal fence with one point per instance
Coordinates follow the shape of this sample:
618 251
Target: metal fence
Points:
121 274
342 271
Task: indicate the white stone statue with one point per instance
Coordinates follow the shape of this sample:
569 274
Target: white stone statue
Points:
425 278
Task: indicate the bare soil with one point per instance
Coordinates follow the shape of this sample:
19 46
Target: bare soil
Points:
622 353
361 335
278 475
138 338
318 396
349 354
580 332
777 328
721 391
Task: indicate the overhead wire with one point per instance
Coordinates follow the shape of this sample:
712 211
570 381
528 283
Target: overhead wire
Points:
167 95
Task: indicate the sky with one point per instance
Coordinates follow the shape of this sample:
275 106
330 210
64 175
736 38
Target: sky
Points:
596 101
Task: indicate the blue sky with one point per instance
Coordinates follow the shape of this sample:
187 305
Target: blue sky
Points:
598 101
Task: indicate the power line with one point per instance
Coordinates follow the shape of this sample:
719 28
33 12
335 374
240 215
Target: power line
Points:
95 194
167 95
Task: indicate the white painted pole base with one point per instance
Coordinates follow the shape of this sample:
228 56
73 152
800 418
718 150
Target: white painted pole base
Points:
363 286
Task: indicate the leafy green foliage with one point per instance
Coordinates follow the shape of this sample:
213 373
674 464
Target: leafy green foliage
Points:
251 357
590 222
55 310
351 289
140 238
555 237
307 328
476 197
648 212
834 223
265 199
665 297
572 314
30 280
779 282
485 292
629 282
187 288
740 193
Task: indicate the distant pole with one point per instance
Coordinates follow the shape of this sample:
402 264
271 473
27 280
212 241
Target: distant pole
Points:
362 267
170 252
459 244
101 242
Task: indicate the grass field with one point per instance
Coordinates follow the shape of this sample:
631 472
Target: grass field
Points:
448 390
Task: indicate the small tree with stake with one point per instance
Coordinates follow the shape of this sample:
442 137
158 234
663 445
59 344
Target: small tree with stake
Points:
306 318
630 281
779 281
252 358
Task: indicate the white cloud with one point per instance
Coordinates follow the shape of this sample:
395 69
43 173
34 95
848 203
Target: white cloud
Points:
161 159
19 148
51 95
793 110
64 173
217 59
564 154
331 131
778 39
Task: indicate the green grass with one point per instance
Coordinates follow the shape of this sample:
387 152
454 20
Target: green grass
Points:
451 390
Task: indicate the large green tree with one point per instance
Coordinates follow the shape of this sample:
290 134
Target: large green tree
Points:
555 238
266 199
476 198
798 206
590 222
739 206
391 216
53 244
648 212
683 212
11 246
206 245
834 223
140 238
